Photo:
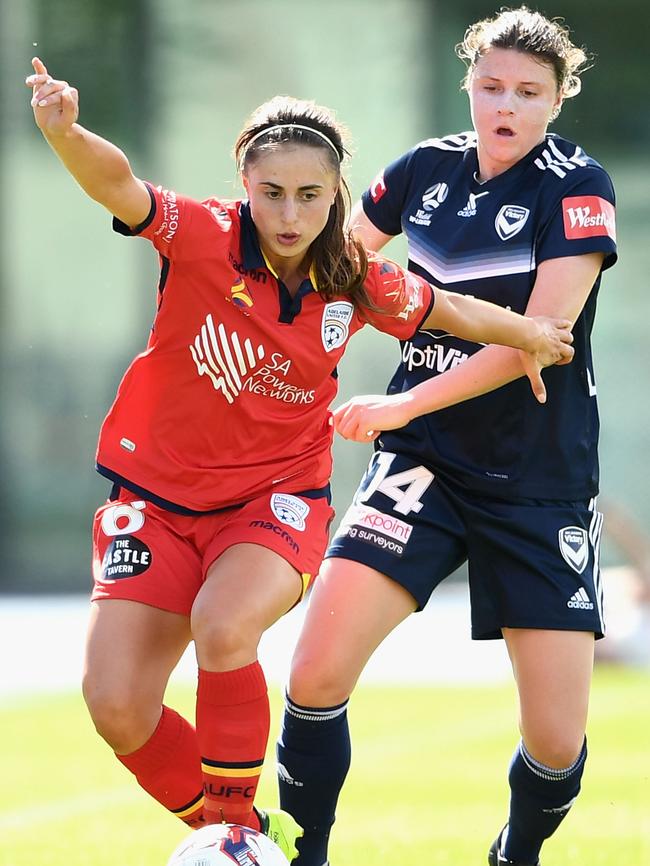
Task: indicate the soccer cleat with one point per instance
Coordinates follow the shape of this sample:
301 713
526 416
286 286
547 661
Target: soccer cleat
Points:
495 858
282 829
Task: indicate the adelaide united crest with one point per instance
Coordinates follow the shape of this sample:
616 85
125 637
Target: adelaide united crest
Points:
335 325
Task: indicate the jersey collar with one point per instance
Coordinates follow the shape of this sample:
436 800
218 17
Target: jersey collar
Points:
471 162
251 253
254 259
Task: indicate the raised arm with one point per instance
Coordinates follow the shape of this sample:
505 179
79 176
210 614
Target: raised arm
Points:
561 289
99 167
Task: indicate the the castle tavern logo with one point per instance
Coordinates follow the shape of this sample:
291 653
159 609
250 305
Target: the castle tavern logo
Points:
573 547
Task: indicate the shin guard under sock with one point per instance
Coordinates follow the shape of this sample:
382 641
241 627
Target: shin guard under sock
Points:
540 799
313 760
168 767
232 725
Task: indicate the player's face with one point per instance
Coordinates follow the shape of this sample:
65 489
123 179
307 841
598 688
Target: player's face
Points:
512 97
291 190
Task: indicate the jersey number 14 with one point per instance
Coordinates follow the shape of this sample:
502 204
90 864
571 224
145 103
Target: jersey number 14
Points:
404 488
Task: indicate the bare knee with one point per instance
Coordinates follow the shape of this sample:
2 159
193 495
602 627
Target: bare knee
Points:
558 750
318 682
225 641
122 714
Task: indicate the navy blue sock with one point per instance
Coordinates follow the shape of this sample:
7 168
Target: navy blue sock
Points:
540 798
313 760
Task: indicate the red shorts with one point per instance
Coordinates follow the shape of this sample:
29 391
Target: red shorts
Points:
142 552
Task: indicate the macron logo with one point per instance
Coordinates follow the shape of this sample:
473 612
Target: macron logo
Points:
588 216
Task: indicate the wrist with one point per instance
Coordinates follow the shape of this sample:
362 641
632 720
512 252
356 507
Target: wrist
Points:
418 401
531 336
55 136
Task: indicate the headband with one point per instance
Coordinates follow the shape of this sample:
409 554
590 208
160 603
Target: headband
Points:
317 132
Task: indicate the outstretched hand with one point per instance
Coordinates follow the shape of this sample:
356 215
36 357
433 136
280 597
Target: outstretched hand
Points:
552 345
55 103
362 419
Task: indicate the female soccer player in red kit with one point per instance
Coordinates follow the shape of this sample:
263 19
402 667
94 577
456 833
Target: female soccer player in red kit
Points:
218 442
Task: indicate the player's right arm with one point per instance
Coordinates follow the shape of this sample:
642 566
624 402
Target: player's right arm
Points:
366 231
99 167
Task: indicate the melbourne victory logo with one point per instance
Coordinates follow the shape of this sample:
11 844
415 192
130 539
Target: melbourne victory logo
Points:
572 541
510 220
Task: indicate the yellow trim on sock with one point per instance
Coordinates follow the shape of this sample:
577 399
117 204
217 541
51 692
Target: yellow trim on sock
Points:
235 772
198 805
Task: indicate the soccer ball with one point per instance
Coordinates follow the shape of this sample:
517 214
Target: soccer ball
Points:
225 845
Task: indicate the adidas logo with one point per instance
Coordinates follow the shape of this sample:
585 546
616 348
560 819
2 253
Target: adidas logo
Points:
470 208
561 810
286 777
580 600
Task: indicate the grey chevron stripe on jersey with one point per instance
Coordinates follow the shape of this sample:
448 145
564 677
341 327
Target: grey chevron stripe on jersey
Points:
474 267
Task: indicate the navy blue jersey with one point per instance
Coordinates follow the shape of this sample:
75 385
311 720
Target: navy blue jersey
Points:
487 240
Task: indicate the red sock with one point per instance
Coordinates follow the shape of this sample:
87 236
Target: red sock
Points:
232 725
168 767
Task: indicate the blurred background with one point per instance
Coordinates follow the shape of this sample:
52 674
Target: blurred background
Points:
172 84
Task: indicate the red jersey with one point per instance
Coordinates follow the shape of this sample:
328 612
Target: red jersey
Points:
230 398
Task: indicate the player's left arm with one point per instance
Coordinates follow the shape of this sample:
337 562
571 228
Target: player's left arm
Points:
365 230
563 286
546 338
561 289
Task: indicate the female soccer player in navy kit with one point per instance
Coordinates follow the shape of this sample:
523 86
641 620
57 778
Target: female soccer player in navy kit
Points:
523 218
218 442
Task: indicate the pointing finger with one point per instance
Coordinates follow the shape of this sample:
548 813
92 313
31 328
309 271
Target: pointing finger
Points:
39 66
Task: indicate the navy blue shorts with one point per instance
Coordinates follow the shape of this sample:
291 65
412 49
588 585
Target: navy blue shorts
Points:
532 563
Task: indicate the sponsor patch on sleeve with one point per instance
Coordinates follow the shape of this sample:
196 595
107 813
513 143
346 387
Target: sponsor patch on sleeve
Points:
587 216
378 188
170 215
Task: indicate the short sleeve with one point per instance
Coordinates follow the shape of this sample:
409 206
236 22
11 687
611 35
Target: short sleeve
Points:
383 201
582 221
403 300
179 227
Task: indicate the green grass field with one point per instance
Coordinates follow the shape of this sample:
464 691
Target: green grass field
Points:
427 784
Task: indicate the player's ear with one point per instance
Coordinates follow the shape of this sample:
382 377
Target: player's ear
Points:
557 107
